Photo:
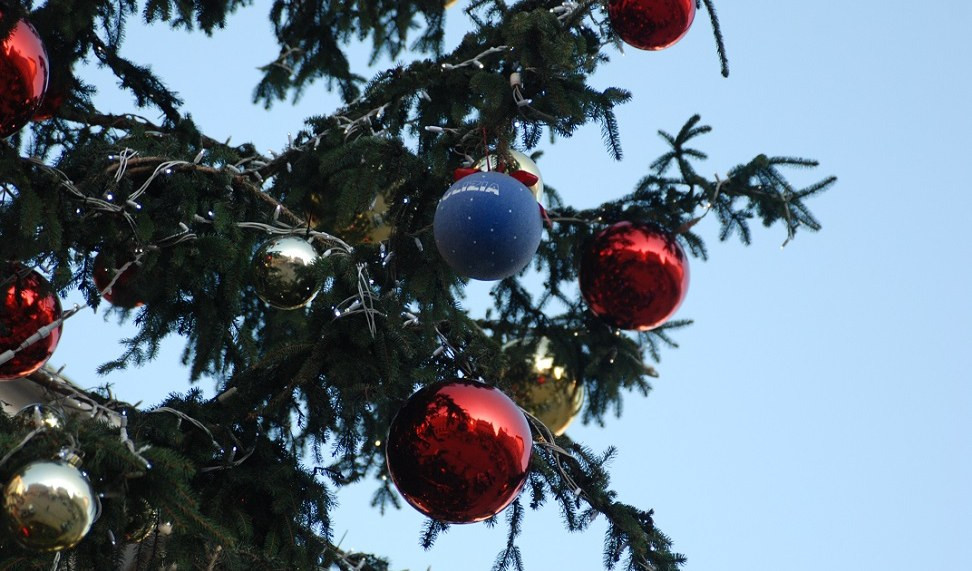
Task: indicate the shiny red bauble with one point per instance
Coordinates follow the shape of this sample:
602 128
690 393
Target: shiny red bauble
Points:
458 451
23 77
634 276
122 292
651 24
27 304
52 102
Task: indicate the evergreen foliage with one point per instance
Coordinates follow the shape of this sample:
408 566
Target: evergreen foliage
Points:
247 479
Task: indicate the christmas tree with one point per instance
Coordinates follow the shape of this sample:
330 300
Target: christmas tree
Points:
320 285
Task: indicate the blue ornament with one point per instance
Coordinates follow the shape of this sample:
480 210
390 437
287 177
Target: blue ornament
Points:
487 226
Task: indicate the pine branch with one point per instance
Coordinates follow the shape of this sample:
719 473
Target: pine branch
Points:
720 42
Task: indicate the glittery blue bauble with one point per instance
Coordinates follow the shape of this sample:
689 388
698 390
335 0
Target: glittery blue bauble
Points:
487 226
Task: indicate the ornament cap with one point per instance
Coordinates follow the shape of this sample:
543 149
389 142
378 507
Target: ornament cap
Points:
69 456
462 172
528 179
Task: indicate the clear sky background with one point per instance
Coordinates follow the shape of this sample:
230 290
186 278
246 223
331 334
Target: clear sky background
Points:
817 415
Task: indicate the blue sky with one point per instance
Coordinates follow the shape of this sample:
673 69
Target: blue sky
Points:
817 415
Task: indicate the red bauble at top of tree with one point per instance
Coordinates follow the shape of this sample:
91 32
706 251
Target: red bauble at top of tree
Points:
651 24
27 305
634 276
458 451
23 77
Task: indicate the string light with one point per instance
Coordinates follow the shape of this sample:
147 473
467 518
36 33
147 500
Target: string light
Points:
567 9
475 62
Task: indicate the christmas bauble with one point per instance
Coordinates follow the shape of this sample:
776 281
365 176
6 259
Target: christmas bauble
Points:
28 304
546 389
516 161
283 272
39 416
370 226
23 77
143 519
487 226
651 24
634 276
458 451
49 106
122 292
49 505
58 89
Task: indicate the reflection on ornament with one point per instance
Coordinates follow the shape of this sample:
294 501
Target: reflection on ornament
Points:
142 521
23 77
39 416
459 451
283 272
58 89
634 276
371 226
368 227
122 292
49 106
516 161
545 389
487 226
27 305
49 505
651 24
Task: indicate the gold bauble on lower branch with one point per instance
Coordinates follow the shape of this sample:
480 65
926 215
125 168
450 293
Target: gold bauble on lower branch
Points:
142 518
512 162
545 388
284 274
49 505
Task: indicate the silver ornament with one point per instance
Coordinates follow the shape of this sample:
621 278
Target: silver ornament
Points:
283 272
49 505
39 416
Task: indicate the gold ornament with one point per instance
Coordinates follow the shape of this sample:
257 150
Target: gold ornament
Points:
283 272
546 390
450 3
143 519
516 161
372 225
49 505
368 227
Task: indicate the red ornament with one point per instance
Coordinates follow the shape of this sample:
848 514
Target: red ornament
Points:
23 77
458 451
122 292
28 304
651 24
634 276
49 107
52 102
